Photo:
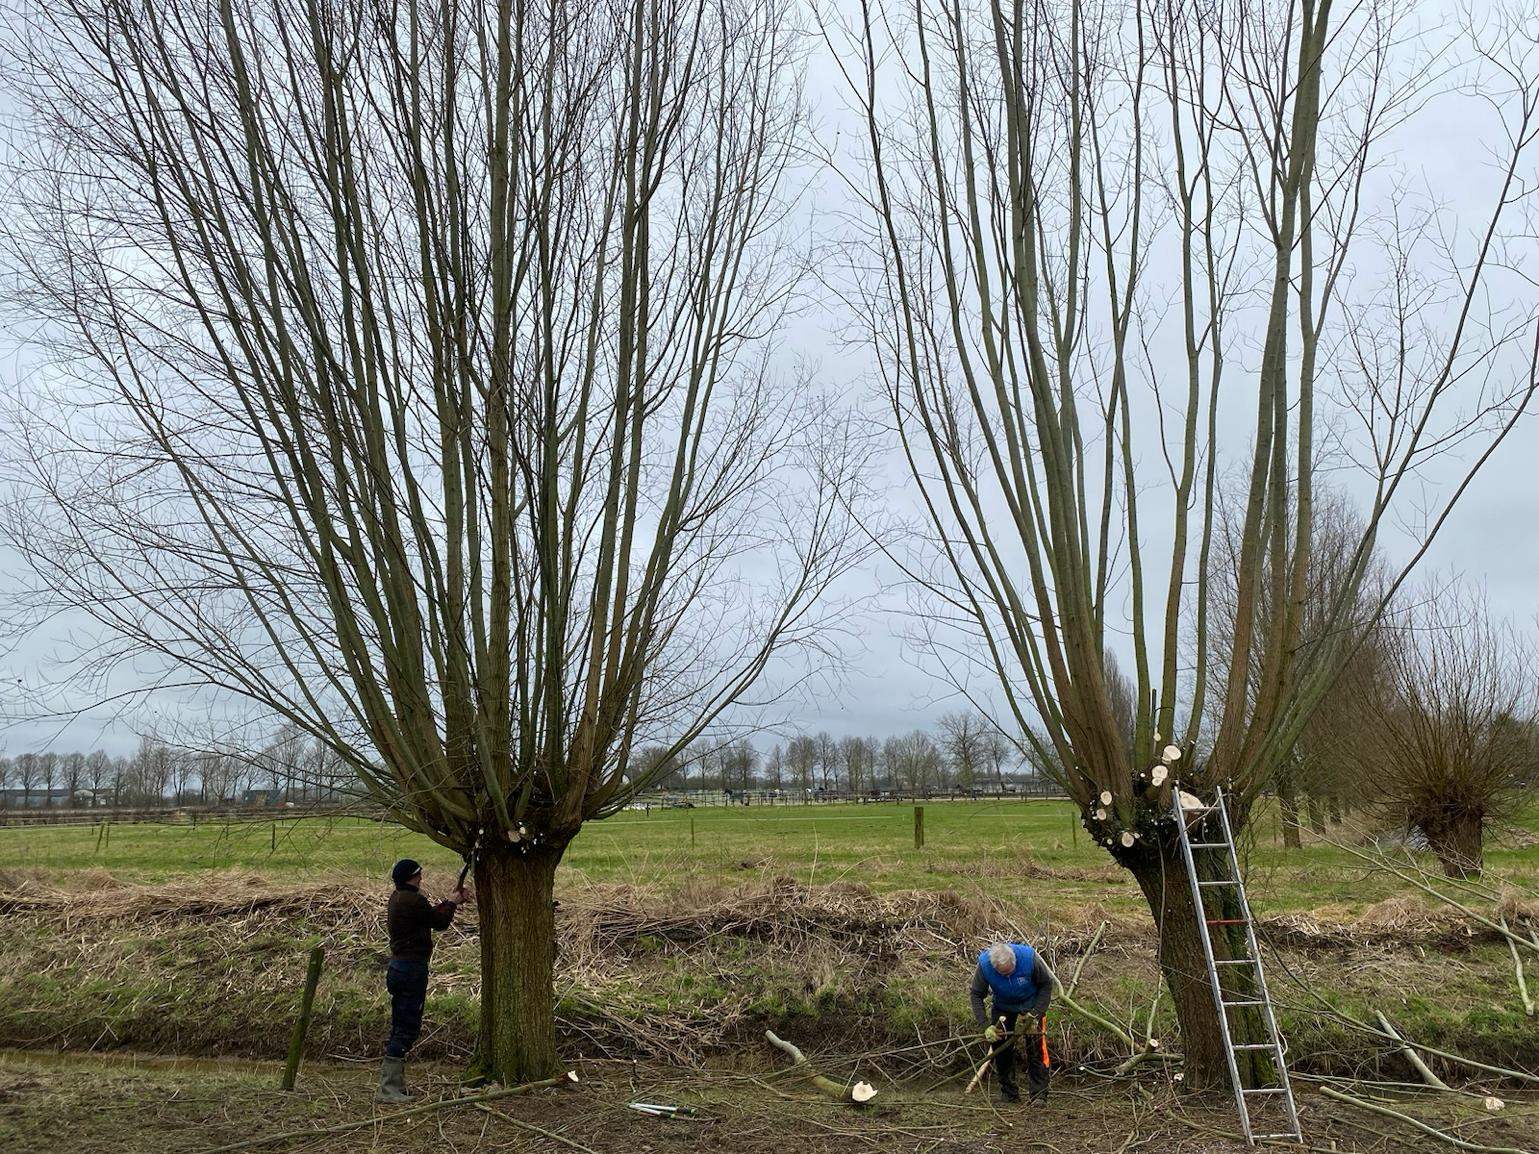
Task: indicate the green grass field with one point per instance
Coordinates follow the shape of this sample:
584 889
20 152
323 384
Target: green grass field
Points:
869 950
1032 852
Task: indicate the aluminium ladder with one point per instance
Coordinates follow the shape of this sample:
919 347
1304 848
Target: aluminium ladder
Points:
1201 817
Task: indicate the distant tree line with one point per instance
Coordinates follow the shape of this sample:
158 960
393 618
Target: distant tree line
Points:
287 768
963 752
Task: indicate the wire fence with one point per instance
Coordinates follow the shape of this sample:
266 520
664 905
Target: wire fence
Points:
704 798
169 814
179 815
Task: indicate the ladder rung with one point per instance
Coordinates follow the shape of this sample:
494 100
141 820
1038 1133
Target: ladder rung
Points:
1234 962
1294 1134
1220 882
1265 1090
1256 1002
1228 921
1210 845
1255 1046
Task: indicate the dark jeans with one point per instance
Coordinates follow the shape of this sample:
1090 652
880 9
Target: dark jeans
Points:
407 983
1037 1064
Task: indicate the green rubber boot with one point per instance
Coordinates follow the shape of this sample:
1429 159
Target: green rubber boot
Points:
392 1082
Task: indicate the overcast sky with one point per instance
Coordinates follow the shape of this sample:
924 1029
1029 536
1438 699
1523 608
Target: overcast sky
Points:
1493 538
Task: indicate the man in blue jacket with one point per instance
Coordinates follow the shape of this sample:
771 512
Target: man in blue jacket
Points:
1022 988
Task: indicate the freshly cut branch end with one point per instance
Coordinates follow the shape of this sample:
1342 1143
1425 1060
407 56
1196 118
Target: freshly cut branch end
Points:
858 1094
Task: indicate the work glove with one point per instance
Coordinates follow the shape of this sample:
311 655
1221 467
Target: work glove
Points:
992 1035
1028 1024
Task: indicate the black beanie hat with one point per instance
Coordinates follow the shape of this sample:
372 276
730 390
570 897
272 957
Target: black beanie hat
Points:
403 871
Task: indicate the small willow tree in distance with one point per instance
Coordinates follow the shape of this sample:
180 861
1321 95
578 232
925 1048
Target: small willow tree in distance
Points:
415 382
1445 721
1097 236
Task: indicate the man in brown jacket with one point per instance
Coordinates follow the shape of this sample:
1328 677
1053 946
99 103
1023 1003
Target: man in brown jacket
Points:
411 920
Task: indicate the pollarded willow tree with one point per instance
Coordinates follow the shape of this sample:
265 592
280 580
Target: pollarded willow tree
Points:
1444 721
1101 238
413 381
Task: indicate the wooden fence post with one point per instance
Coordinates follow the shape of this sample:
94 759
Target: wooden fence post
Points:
919 827
302 1025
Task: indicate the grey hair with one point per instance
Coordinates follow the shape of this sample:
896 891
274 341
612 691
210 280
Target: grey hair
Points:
1002 958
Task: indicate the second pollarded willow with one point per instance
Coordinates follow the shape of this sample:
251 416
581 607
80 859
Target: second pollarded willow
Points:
1108 238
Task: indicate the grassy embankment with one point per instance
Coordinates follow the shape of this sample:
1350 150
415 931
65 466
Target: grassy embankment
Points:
682 934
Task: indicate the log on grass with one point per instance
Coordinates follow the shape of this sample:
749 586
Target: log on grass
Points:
858 1094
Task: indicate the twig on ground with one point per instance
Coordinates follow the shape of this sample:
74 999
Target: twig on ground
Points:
348 1127
1518 1075
1377 1084
1326 1008
533 1129
1154 1008
1151 1046
1149 1053
1411 1055
1433 1131
983 1068
1230 1134
1517 966
1061 995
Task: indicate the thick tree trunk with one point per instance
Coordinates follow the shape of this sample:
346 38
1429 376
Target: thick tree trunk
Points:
514 898
1457 841
1161 876
1289 803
